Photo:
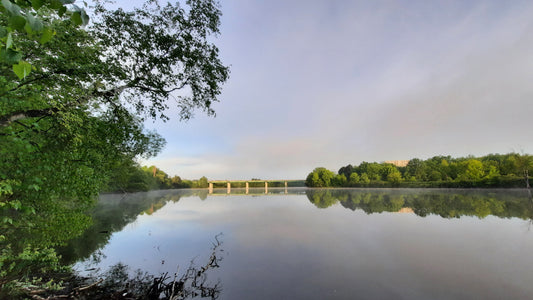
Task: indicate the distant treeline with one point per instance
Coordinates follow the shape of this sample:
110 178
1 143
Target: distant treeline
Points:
131 177
493 170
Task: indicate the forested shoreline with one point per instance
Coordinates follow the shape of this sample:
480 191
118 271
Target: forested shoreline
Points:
131 177
490 171
75 91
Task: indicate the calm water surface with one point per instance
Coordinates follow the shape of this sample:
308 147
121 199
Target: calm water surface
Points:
320 244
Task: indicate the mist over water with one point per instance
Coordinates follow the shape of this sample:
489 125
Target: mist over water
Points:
317 244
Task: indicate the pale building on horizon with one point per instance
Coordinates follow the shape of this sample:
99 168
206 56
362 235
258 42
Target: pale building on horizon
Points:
398 163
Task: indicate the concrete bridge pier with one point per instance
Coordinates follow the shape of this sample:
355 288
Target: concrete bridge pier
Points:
247 183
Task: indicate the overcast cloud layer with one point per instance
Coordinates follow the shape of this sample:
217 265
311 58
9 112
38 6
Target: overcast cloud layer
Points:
328 83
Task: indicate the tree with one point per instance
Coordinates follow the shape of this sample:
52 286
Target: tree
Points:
156 51
364 179
203 182
313 180
416 168
79 112
394 177
372 170
346 171
320 177
434 175
523 163
354 178
508 165
339 180
176 182
387 169
72 113
491 170
128 176
471 170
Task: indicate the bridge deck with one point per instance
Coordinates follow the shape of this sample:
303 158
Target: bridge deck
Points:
260 180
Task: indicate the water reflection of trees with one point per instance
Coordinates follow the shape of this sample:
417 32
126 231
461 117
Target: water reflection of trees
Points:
115 211
447 204
112 213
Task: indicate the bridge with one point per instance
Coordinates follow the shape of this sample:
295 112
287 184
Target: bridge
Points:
239 183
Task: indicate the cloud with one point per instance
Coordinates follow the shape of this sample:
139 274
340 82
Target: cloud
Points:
327 83
475 100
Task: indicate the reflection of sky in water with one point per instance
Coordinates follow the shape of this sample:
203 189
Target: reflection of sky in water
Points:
284 247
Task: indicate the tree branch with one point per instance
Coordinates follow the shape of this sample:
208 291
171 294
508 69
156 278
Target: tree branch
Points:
27 82
34 113
149 89
19 115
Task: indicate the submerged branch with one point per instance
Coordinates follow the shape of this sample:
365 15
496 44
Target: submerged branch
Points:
116 283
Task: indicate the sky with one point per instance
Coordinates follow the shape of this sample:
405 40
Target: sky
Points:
325 83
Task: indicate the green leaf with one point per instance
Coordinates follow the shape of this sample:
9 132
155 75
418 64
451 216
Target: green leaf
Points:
84 18
9 41
56 4
47 35
3 31
22 69
36 4
11 7
62 11
10 56
17 22
15 204
34 187
76 18
5 189
35 24
28 29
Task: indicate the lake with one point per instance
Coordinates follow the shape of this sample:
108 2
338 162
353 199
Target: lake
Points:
322 244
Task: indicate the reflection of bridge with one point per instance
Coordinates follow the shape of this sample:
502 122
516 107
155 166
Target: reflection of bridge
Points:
247 184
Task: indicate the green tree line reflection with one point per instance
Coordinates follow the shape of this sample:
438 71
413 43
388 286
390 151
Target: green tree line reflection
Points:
112 214
115 211
503 204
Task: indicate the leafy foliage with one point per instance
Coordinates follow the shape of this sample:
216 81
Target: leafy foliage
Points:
128 176
168 50
493 170
24 19
73 100
320 177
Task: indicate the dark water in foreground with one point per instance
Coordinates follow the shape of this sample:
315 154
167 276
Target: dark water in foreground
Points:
324 244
